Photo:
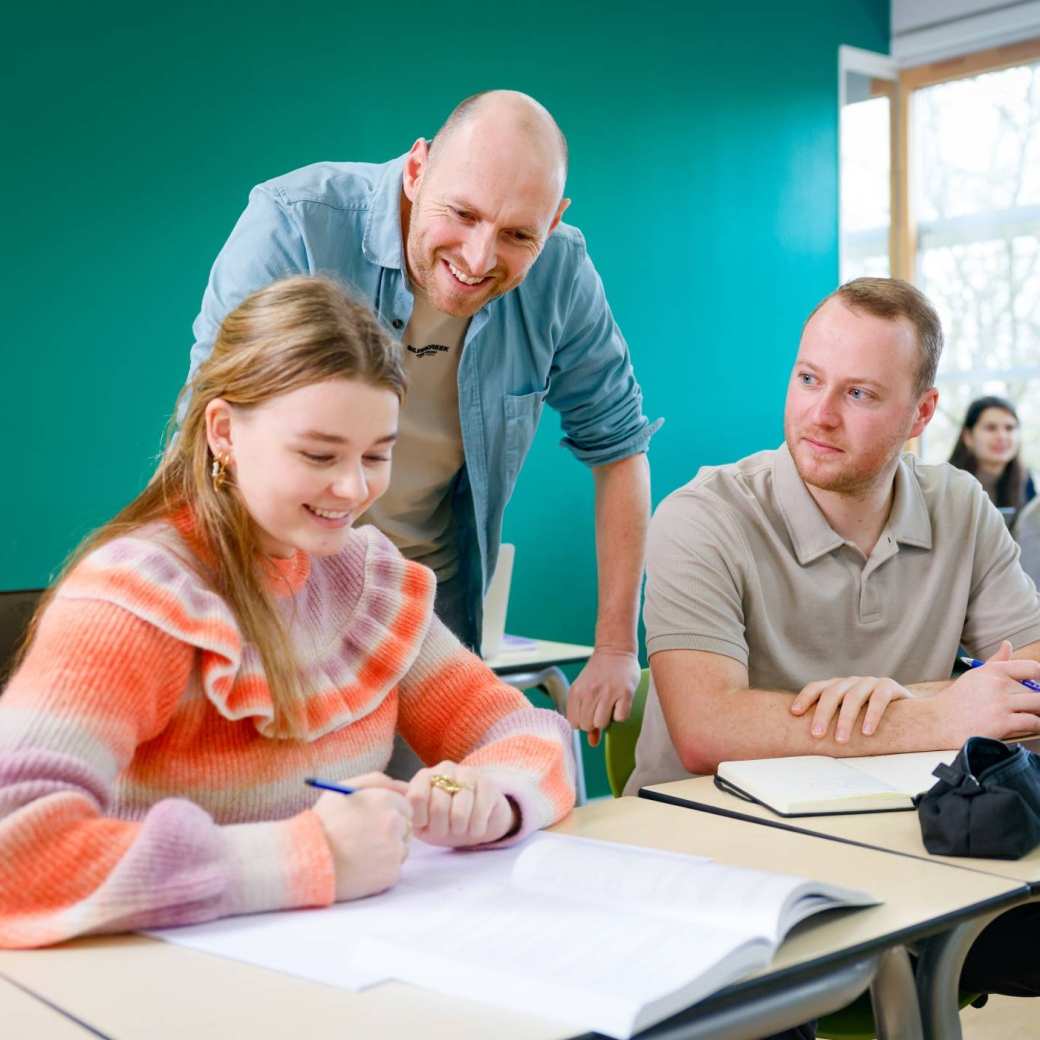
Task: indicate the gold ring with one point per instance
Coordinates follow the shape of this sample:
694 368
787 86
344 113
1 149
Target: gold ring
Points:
446 784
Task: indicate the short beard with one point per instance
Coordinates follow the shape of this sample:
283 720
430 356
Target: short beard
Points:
849 485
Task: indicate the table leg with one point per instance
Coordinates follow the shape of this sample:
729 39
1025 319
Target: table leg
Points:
893 997
580 796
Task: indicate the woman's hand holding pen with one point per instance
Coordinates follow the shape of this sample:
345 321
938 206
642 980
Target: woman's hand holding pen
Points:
368 833
453 805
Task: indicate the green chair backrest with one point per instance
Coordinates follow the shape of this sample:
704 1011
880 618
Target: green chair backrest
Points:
619 742
856 1022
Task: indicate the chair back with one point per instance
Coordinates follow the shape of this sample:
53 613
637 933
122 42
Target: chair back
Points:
16 609
619 741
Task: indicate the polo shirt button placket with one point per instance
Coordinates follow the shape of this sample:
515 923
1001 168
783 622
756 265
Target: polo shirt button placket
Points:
869 601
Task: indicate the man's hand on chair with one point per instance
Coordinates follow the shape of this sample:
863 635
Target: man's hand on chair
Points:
603 692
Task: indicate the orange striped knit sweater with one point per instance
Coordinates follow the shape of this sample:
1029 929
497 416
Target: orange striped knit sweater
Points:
139 786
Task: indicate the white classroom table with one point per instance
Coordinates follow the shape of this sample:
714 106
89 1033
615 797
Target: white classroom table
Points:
126 987
894 832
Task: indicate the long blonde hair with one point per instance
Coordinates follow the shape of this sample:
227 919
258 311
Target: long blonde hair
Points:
293 333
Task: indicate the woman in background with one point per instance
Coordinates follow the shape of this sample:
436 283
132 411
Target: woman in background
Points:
988 447
230 634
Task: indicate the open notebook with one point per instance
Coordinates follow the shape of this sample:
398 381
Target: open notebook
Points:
816 785
595 935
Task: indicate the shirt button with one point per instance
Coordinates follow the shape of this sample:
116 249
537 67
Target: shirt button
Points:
397 323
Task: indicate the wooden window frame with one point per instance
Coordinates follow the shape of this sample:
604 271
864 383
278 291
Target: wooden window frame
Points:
902 232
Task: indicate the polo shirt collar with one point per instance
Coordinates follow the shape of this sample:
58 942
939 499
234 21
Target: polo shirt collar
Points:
811 535
909 522
382 240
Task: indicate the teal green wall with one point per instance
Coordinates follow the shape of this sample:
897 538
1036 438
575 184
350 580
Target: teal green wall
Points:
703 139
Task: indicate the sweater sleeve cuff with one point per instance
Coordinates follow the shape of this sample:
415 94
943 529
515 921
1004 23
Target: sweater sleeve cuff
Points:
534 810
282 865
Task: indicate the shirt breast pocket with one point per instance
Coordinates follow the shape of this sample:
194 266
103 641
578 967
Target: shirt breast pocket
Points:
522 412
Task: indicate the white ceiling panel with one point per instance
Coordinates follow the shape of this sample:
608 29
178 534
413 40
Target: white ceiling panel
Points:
931 30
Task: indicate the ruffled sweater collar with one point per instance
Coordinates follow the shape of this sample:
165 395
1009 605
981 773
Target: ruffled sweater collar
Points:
356 620
283 575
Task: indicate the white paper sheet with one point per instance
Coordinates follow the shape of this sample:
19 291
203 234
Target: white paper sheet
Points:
319 944
910 772
605 936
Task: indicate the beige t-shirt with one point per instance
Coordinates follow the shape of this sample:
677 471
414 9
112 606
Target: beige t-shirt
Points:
741 562
415 513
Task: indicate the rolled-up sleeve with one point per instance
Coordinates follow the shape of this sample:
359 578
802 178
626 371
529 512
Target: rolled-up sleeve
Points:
592 384
265 244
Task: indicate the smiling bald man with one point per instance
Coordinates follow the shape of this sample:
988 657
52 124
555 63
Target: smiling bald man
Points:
459 247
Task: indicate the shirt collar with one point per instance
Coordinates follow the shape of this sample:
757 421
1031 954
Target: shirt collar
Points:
811 535
382 240
909 522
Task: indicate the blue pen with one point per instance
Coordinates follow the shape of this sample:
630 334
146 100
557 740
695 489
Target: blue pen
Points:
328 785
973 662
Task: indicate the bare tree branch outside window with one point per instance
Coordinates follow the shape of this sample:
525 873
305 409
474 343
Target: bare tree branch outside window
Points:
976 183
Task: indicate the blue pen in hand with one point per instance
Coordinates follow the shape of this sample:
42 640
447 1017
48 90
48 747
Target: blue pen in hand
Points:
328 785
974 662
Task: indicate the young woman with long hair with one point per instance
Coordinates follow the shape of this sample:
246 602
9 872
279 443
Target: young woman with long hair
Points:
229 634
988 446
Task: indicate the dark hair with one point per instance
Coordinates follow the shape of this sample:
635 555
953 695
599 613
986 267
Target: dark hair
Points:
893 298
1010 490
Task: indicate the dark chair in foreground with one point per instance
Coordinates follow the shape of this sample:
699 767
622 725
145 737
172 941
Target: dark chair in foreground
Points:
16 608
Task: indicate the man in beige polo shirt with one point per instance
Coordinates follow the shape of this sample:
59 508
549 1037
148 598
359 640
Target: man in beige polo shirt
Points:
836 561
841 568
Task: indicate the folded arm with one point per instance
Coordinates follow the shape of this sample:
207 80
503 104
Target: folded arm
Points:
713 716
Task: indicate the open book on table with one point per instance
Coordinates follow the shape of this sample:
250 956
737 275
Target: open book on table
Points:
608 937
595 935
816 785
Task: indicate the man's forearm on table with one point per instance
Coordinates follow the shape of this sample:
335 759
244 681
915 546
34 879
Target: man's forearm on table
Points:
746 723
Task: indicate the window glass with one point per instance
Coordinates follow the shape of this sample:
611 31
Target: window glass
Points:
976 199
865 188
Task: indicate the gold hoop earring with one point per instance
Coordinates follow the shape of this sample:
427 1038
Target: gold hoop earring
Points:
219 471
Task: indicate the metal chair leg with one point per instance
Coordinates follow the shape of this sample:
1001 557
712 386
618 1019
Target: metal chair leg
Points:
555 684
938 977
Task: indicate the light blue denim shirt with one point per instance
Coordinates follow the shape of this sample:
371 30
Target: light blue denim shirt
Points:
551 340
